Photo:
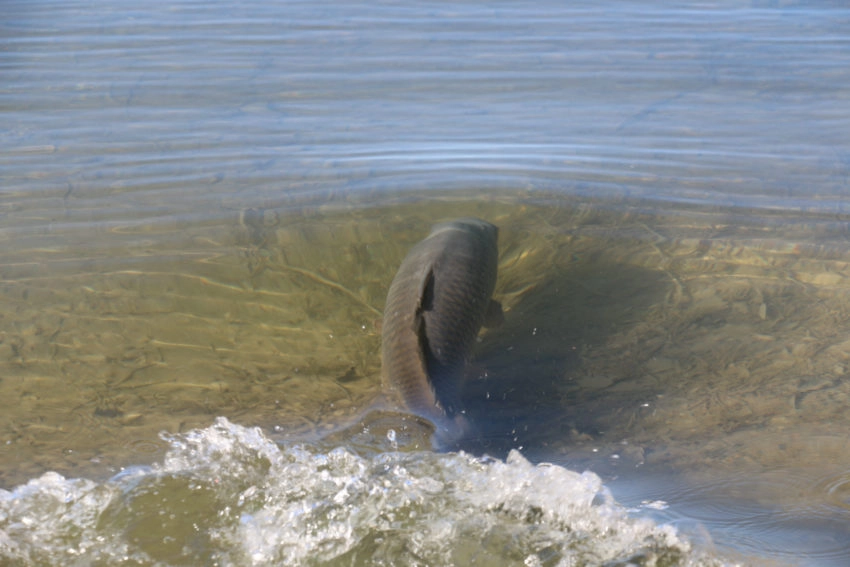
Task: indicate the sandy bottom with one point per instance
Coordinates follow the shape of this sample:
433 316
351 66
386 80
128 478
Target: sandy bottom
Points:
633 342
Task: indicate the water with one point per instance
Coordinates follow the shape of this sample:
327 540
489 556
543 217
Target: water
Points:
202 206
228 495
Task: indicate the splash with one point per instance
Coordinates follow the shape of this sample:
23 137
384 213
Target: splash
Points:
227 495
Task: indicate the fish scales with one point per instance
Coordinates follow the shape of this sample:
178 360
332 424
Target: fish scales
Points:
435 307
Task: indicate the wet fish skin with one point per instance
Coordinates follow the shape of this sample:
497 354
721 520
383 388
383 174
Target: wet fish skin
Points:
435 308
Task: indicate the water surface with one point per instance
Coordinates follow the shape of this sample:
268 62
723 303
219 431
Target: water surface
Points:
202 206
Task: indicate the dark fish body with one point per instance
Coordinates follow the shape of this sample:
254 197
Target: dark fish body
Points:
436 305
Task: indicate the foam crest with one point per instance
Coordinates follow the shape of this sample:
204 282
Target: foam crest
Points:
228 495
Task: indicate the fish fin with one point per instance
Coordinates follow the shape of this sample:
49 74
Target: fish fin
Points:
494 317
426 303
426 293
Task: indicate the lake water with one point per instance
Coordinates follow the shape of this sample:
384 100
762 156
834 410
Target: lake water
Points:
202 206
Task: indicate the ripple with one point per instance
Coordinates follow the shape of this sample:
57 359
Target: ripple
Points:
799 515
836 488
146 447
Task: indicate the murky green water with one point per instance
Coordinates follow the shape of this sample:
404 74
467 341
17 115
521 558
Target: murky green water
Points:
202 207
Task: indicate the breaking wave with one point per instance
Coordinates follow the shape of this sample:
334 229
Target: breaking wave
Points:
228 495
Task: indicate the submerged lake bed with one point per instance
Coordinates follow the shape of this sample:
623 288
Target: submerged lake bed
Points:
202 208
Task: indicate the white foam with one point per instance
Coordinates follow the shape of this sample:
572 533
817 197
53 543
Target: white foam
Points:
228 495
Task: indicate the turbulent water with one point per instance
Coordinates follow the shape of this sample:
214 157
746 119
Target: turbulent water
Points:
202 206
227 495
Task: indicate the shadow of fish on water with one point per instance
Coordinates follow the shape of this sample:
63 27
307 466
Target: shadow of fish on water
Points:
436 305
552 374
520 391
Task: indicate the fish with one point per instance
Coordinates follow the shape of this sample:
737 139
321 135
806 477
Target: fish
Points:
436 305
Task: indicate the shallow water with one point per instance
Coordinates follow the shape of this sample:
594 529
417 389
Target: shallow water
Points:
202 206
228 495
